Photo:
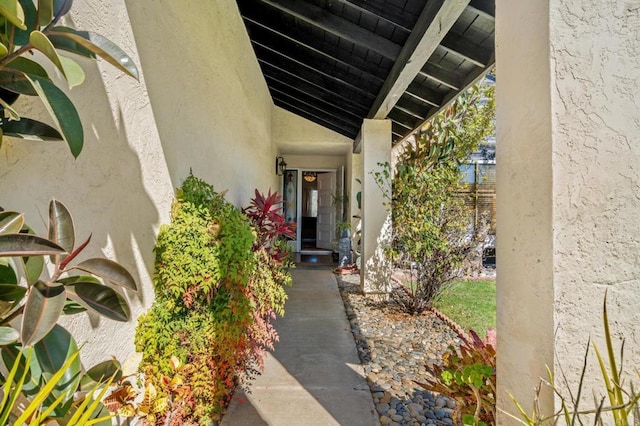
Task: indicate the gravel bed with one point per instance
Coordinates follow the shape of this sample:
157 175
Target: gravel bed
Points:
394 348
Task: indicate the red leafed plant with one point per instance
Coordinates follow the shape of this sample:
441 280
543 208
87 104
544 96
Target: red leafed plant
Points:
265 214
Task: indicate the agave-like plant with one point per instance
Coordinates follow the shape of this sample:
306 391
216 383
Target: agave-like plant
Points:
28 25
33 298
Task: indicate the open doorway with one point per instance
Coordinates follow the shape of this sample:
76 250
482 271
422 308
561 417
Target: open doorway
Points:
318 215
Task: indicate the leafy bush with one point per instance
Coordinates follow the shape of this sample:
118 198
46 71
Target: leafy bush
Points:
36 298
217 290
468 376
431 224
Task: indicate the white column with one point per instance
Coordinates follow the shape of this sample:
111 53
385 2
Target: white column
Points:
376 223
568 189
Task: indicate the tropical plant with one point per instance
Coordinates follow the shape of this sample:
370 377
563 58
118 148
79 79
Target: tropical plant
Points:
26 26
431 224
468 376
33 298
624 400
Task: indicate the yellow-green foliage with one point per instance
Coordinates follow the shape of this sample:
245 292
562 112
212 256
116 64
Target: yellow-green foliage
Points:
202 313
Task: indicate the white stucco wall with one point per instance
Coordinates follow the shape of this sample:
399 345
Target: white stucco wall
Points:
568 189
201 103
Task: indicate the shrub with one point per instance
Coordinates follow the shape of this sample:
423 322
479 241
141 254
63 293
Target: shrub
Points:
468 376
218 285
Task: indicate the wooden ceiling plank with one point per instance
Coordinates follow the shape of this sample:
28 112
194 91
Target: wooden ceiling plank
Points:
313 69
318 86
306 114
485 8
473 53
423 94
397 20
340 27
327 55
333 104
434 73
436 19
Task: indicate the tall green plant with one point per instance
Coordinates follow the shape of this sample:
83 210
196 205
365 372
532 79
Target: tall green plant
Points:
26 26
430 222
33 298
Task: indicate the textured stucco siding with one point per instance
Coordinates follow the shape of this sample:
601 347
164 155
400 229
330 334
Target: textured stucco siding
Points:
595 69
201 103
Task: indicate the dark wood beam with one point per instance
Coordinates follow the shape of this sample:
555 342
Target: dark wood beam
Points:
402 21
424 94
441 76
485 8
437 17
335 114
313 95
282 74
361 87
351 133
340 27
271 36
477 55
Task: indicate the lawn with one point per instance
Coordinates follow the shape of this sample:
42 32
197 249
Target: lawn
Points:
471 304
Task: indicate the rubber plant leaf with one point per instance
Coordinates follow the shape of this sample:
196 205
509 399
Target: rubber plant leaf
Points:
41 312
61 7
100 373
12 10
21 35
29 129
61 230
53 353
27 245
27 66
7 273
61 110
17 82
69 45
11 292
108 270
3 50
8 335
71 71
11 222
101 299
12 113
33 375
100 46
45 12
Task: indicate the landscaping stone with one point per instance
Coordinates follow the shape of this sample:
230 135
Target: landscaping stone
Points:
394 348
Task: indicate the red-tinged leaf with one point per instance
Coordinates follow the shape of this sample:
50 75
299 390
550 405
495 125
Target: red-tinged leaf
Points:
61 229
101 299
27 245
41 312
109 271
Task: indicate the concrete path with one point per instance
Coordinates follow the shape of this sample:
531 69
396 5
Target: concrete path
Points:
314 376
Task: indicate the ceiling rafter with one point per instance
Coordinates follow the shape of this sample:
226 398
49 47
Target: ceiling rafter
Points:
352 64
328 123
485 8
437 17
440 76
397 20
425 95
340 27
473 53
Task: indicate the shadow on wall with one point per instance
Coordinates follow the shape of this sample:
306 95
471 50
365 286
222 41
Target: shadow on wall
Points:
376 274
104 189
209 99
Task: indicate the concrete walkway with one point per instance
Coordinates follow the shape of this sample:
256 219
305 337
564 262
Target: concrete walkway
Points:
314 376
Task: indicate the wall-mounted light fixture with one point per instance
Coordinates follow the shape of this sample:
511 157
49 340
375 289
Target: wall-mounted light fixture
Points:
281 166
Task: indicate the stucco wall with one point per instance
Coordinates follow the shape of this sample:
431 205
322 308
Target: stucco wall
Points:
201 103
568 188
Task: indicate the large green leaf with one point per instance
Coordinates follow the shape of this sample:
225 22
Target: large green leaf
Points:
21 36
61 7
61 230
45 12
17 82
29 129
61 110
27 66
11 292
41 312
72 308
8 335
12 10
7 274
101 299
52 352
100 46
11 222
70 45
109 271
27 245
33 267
71 71
79 279
100 373
33 381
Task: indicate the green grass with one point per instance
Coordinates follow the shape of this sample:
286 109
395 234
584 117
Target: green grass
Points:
471 304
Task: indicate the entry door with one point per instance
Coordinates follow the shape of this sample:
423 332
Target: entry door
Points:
325 231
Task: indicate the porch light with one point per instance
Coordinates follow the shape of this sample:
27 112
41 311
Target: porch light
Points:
309 176
281 166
